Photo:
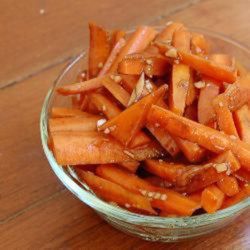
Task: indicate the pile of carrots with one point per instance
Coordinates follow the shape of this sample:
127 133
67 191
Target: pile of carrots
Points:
159 125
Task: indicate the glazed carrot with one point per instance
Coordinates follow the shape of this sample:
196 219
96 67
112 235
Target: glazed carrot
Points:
243 194
158 182
113 86
242 122
137 42
192 151
152 66
192 92
131 166
195 197
129 82
74 148
60 112
206 137
206 111
224 116
167 198
82 87
166 170
228 185
180 75
243 175
74 124
113 192
200 64
117 35
99 49
127 124
112 56
199 45
191 112
212 198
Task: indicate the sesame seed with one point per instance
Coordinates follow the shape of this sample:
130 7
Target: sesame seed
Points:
143 192
117 78
100 122
104 108
112 128
106 131
157 125
200 84
151 194
221 104
157 196
163 197
171 53
127 205
149 62
148 86
100 65
128 153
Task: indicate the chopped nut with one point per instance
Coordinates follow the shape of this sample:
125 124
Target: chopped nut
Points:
106 131
221 167
200 84
198 50
129 154
157 196
157 125
100 65
176 61
112 128
149 62
127 205
221 104
117 78
100 122
151 194
163 197
104 108
172 53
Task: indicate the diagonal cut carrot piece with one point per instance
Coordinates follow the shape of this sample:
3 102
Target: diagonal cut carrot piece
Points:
228 185
60 112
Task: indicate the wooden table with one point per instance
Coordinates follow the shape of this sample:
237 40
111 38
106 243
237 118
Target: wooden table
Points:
37 39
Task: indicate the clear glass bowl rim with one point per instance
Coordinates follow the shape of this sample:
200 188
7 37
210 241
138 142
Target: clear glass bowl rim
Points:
119 213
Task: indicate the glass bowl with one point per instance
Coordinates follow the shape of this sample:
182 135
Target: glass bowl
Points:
147 227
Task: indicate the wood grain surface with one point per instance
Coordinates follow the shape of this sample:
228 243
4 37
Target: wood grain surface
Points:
36 211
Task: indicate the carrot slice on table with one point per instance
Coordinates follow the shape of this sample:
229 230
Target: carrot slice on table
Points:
112 56
206 137
82 87
212 198
99 49
229 185
242 121
127 124
74 148
137 42
60 112
113 192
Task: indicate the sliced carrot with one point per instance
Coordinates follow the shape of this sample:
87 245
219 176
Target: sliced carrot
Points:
115 193
99 49
212 198
158 181
127 124
74 124
181 75
167 198
195 197
137 42
131 166
117 35
192 92
242 121
224 116
60 112
206 137
192 151
74 148
82 87
243 194
202 65
206 111
112 56
243 175
129 82
166 170
229 185
199 44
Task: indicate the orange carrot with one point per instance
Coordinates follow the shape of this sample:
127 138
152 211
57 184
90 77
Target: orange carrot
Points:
242 121
209 138
228 185
199 45
115 193
99 49
243 194
74 148
131 166
180 75
112 56
195 197
59 112
206 112
192 91
73 124
127 124
129 82
212 198
117 35
243 175
202 65
137 42
82 87
158 182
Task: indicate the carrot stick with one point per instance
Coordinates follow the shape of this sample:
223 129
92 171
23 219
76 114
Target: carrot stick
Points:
242 122
229 185
243 175
112 56
158 182
199 44
59 112
206 137
74 148
200 64
161 198
73 124
131 166
113 192
195 197
212 198
192 92
127 124
82 87
137 42
243 194
99 49
116 36
129 82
